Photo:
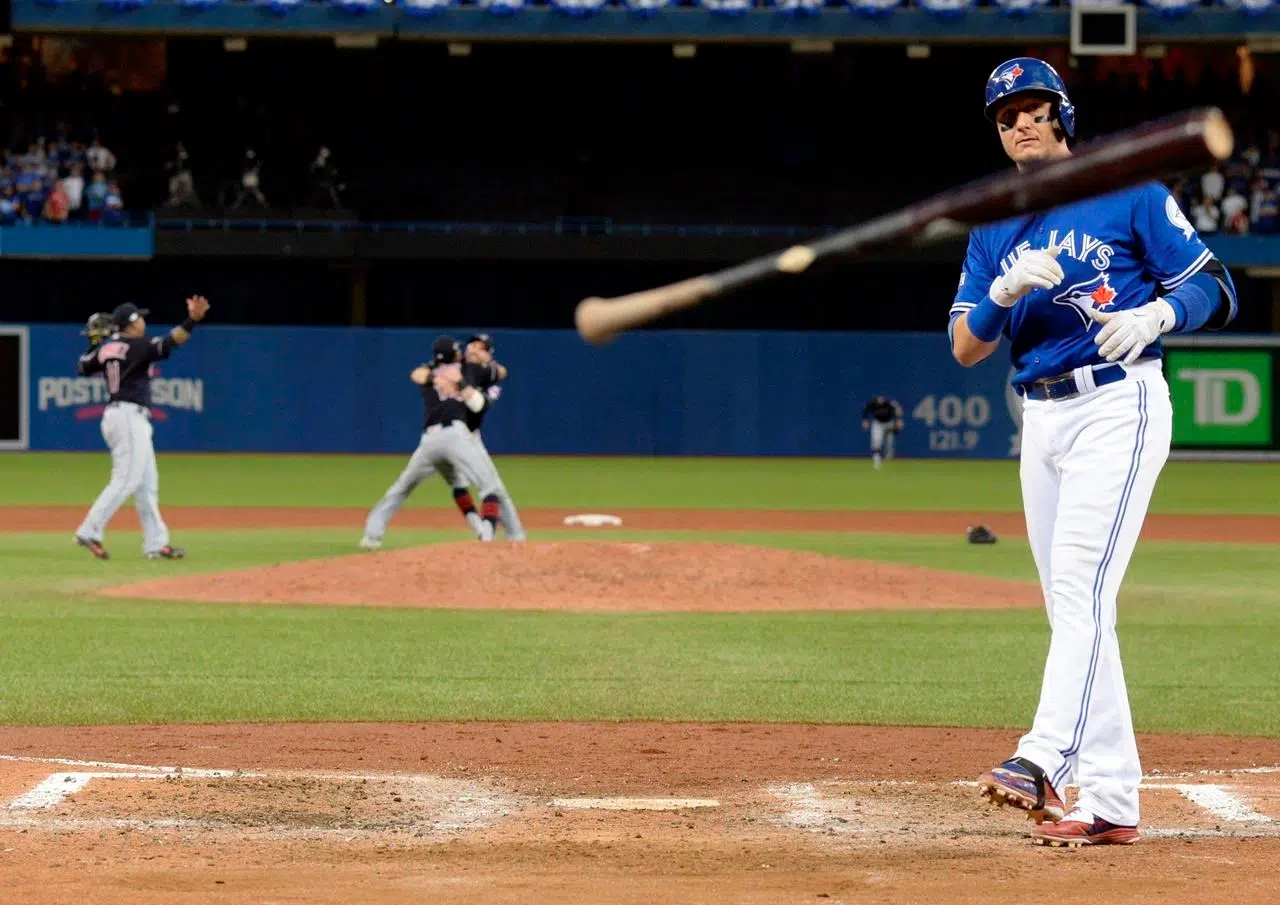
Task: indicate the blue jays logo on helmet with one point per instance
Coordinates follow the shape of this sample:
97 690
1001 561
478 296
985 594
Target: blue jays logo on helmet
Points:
1009 77
1025 74
1091 295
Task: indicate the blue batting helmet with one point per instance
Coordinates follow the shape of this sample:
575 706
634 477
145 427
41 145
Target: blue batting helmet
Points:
1023 74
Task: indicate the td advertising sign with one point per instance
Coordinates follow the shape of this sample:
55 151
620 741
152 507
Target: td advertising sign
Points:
1221 398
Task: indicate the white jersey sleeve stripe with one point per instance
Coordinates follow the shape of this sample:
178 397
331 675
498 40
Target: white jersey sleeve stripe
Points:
1189 272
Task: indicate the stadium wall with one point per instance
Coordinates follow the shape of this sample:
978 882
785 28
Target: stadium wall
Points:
341 390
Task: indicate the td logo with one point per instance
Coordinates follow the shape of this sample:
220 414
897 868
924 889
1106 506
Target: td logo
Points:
1220 398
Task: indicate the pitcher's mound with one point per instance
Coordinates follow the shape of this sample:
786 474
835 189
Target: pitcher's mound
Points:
654 577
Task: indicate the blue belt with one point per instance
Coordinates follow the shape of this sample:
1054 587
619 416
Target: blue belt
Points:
1064 386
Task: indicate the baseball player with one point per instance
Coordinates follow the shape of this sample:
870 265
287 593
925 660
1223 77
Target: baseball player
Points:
883 417
447 446
1083 293
486 374
125 358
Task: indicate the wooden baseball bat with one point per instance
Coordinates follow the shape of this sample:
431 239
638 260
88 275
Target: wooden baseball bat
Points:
1153 150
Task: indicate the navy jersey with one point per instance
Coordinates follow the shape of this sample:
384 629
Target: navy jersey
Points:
485 379
1117 251
442 396
882 409
125 362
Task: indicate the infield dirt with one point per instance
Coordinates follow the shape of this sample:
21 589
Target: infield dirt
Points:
537 814
550 813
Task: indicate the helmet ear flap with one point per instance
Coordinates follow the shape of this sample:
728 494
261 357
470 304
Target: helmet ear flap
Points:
1065 113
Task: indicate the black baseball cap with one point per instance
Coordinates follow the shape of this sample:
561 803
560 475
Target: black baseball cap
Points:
483 338
127 313
444 350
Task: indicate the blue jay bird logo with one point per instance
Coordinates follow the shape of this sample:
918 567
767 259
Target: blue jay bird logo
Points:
1010 76
1091 295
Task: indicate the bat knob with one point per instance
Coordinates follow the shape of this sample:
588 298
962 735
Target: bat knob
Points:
588 318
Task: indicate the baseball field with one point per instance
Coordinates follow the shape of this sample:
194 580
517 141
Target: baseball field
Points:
774 682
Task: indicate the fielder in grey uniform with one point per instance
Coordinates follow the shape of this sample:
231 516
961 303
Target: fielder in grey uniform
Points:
883 417
447 445
487 375
125 359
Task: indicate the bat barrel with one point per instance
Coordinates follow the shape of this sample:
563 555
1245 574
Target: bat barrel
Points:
1153 150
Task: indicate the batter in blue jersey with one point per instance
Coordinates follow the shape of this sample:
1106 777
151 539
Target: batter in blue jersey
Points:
1083 294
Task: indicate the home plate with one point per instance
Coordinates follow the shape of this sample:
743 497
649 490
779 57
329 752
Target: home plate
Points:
634 804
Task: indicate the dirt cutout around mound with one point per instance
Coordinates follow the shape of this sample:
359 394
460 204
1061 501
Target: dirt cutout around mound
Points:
591 577
625 814
1208 528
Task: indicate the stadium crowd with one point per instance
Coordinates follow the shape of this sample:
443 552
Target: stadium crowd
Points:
1242 196
264 132
46 182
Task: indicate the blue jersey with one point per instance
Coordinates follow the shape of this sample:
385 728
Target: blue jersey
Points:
1117 251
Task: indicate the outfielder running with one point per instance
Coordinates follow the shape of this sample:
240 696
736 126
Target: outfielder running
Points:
125 357
882 416
1083 293
447 446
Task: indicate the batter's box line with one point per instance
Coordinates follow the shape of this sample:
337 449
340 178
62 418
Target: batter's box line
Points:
459 805
1157 775
51 790
1267 831
207 773
194 772
271 832
1219 800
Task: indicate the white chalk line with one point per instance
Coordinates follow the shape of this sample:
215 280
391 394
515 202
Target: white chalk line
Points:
634 804
204 773
809 808
50 792
1225 772
242 831
458 805
1256 832
1220 802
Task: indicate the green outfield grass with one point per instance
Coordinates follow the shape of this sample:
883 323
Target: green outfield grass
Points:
1200 657
1198 622
226 480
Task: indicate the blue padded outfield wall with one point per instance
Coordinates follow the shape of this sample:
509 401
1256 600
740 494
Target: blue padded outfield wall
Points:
322 389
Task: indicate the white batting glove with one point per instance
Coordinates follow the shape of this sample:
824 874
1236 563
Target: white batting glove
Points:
1125 334
1037 269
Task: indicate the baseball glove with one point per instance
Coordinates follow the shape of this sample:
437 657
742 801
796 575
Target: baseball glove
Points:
98 327
981 534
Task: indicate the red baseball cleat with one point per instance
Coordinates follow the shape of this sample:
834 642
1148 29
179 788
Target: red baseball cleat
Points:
1081 828
1021 783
